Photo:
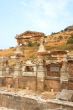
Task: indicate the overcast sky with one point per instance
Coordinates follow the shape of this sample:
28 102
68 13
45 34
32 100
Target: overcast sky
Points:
17 16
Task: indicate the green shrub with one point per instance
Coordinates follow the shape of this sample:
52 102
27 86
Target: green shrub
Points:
70 40
30 44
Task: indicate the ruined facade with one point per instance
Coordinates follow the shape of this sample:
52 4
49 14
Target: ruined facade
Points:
50 70
28 37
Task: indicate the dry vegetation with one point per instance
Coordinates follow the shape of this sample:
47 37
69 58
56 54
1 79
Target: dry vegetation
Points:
54 41
7 52
58 39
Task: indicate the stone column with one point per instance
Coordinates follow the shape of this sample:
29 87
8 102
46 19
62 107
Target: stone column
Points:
23 70
2 75
1 70
17 70
64 76
17 74
41 66
40 75
7 71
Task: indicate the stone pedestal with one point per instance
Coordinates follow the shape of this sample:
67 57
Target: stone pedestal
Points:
40 85
64 85
16 83
9 82
2 80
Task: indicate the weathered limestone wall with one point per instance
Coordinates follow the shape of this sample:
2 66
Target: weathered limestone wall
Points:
32 83
27 82
2 81
20 103
70 67
21 82
52 84
70 84
14 101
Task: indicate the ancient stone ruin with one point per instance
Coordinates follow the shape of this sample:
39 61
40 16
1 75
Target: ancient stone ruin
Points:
51 71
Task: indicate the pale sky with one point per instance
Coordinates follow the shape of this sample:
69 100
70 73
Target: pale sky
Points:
17 16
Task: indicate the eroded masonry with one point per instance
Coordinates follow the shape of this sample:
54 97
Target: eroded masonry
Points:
48 71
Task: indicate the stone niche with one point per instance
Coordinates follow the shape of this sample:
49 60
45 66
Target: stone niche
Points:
29 69
53 70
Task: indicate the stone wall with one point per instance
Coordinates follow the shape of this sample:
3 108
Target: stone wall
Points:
17 102
27 82
70 67
52 84
50 81
33 83
70 85
21 82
